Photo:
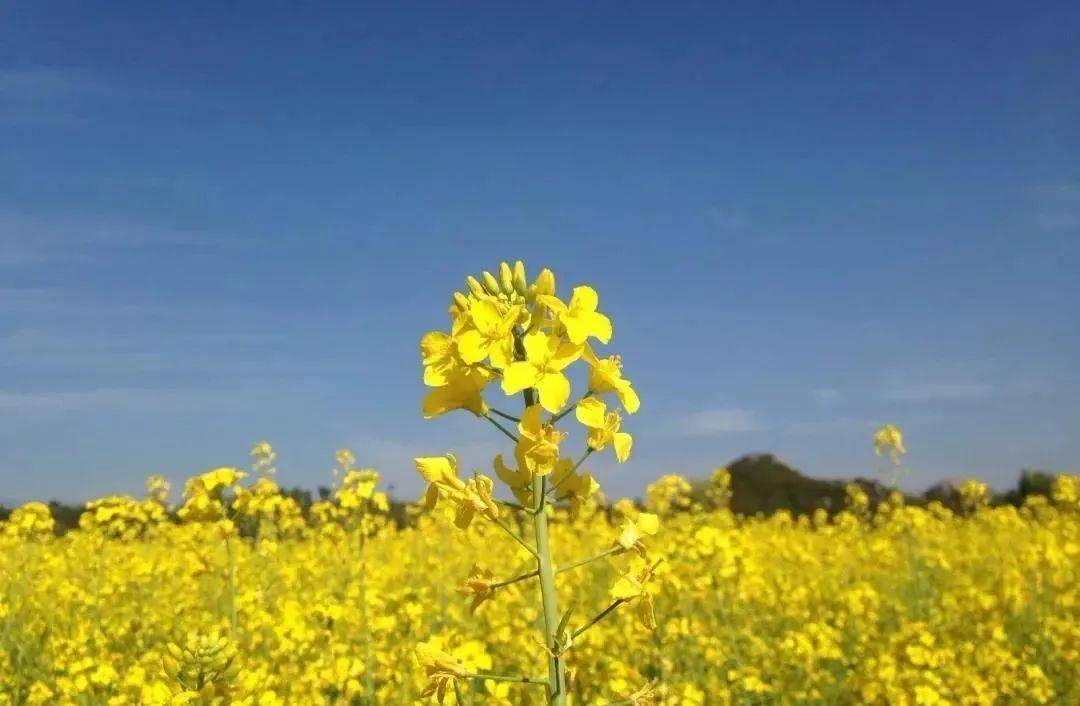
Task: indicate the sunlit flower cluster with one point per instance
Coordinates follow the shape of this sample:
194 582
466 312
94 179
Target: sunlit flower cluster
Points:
521 335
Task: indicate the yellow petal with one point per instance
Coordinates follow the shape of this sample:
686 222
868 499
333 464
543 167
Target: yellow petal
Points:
648 523
584 299
628 397
530 420
436 375
473 346
538 346
459 393
581 326
554 390
563 355
591 412
518 376
552 302
622 443
485 316
629 536
511 476
626 587
436 469
434 345
501 352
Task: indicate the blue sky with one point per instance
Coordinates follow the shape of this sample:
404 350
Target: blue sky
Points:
227 222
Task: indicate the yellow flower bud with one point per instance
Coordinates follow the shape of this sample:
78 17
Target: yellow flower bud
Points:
520 282
490 283
474 285
545 282
506 278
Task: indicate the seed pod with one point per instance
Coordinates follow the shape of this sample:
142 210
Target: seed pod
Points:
170 665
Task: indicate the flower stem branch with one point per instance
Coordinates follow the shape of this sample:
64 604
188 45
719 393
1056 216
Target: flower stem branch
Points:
555 487
514 506
556 417
504 415
583 562
539 681
501 428
513 534
516 579
598 617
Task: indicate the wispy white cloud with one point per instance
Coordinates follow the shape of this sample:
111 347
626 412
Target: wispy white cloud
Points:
82 352
1057 207
49 80
72 97
117 398
710 422
927 392
27 240
51 96
826 395
832 426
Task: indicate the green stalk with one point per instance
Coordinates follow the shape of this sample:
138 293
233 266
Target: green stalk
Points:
231 567
369 678
545 567
549 598
556 668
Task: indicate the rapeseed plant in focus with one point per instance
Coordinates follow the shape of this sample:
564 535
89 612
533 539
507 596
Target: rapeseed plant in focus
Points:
522 338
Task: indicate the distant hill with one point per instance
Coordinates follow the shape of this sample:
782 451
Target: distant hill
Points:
764 483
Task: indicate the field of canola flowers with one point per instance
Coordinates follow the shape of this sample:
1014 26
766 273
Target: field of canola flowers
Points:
543 593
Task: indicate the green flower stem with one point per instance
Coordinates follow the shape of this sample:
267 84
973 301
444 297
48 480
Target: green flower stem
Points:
556 417
556 680
504 415
598 617
516 579
501 428
231 567
558 570
369 676
514 506
542 681
517 539
555 487
556 669
583 562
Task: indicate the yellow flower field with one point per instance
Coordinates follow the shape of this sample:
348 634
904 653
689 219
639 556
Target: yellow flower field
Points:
903 606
